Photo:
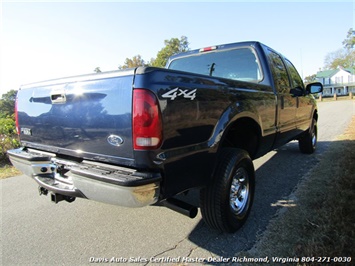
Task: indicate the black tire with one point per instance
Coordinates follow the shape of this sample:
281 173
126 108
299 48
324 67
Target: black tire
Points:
308 142
225 203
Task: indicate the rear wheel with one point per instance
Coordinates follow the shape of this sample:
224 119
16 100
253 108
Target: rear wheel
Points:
225 203
308 142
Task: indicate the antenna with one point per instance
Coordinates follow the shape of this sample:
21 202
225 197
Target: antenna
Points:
302 63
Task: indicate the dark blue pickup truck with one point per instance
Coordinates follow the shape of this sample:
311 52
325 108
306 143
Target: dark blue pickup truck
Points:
143 136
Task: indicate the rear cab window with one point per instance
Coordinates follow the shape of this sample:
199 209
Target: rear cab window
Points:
237 64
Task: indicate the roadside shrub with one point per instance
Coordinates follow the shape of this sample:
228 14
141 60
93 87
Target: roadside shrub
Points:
8 137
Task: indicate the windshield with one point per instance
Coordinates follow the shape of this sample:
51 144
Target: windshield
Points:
238 64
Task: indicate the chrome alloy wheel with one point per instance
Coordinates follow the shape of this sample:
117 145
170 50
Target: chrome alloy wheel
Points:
239 192
314 139
314 136
226 201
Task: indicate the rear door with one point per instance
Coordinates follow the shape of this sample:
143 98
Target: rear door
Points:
286 103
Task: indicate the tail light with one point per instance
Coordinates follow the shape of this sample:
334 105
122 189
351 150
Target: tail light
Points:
16 117
147 125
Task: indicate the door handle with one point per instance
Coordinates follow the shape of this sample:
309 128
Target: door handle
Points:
58 98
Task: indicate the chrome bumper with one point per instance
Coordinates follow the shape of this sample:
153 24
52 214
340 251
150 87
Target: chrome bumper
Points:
96 181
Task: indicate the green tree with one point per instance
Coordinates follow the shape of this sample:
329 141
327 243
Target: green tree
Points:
349 41
344 57
134 62
8 136
7 104
310 79
172 46
340 57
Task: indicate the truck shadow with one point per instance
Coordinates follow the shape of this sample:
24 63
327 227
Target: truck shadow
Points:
276 179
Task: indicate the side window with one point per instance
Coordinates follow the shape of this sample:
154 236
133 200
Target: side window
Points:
279 73
296 80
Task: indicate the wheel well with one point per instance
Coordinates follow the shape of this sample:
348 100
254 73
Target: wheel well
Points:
244 134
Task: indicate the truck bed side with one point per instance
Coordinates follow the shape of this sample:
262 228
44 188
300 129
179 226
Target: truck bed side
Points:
203 109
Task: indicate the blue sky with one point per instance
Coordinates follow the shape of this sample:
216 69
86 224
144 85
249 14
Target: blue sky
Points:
46 40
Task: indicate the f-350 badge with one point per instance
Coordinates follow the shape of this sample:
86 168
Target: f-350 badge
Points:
177 92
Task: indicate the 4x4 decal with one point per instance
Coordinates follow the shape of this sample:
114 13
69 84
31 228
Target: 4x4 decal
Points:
173 94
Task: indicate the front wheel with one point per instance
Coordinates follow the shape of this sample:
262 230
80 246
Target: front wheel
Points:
225 203
307 143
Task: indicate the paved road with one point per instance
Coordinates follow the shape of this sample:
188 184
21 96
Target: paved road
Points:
36 231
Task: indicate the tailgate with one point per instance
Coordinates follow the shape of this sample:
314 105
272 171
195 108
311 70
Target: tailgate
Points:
86 117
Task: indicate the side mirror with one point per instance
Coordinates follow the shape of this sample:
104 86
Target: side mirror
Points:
315 87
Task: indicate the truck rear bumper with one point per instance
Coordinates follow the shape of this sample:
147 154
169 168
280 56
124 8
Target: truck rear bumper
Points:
95 181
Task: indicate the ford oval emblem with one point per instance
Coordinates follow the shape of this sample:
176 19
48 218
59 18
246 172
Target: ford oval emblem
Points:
115 140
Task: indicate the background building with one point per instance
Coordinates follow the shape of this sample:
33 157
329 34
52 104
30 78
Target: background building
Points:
340 81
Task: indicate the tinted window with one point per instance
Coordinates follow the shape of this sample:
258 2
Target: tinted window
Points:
279 73
239 64
296 80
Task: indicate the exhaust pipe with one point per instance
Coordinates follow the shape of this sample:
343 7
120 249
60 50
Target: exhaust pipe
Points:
181 207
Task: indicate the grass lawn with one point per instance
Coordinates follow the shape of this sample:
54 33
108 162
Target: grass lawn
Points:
7 170
321 224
